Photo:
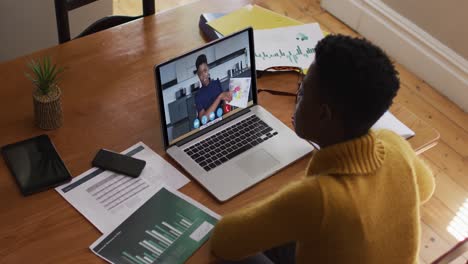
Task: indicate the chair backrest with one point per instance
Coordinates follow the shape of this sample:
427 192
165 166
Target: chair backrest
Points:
62 7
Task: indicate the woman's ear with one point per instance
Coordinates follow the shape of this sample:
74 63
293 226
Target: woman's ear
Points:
325 112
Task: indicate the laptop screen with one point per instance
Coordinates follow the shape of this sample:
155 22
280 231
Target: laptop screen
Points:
205 86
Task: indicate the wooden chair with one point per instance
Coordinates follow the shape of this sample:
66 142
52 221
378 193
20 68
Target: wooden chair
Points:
62 7
457 251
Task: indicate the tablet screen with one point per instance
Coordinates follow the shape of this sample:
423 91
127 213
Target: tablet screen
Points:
35 164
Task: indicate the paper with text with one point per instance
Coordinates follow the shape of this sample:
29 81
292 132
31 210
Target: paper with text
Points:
106 198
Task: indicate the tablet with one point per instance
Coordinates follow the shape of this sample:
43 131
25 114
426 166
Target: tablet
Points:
35 164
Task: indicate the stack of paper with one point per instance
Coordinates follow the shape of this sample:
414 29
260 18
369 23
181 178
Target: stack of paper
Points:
279 40
106 198
251 16
168 228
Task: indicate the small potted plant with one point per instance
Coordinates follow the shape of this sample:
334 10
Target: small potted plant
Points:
46 95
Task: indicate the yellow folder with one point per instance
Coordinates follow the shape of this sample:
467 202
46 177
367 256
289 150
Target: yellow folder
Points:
251 15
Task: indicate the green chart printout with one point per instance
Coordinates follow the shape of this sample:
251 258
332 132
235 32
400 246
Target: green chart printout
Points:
168 228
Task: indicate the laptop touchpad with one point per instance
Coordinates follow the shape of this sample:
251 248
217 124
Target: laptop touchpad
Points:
257 163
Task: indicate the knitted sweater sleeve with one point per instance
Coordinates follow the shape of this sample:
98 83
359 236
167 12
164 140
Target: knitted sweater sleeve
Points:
424 179
294 212
423 174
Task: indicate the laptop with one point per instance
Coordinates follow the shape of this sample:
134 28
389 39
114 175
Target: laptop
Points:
211 122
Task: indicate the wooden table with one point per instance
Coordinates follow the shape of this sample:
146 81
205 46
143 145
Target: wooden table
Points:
110 102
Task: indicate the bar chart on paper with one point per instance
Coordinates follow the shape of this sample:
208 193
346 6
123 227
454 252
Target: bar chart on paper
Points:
166 229
162 238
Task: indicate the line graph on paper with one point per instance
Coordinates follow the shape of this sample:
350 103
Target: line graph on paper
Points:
292 55
287 46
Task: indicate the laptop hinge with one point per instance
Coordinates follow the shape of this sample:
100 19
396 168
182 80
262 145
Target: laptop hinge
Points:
212 127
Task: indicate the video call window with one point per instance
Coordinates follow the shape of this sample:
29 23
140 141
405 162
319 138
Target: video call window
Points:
203 87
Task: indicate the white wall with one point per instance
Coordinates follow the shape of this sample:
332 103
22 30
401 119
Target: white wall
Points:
422 53
445 20
29 25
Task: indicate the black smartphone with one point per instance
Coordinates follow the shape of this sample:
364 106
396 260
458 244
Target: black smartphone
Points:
116 162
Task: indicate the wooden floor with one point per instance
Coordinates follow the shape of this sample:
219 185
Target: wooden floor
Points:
448 160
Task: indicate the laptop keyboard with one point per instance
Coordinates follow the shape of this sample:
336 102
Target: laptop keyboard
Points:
230 142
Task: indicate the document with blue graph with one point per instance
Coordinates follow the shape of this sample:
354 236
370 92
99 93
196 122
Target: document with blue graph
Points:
286 46
168 228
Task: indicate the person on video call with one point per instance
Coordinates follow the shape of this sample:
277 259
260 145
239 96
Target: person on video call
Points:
360 197
210 95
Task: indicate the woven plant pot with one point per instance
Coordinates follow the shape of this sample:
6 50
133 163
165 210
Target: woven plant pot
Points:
48 109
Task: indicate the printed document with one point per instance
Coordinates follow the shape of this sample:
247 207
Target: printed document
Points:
292 46
253 16
168 228
389 121
106 198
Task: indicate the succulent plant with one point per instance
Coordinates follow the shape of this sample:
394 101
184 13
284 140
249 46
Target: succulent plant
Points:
44 74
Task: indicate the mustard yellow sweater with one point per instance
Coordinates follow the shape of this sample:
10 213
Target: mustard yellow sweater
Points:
359 203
